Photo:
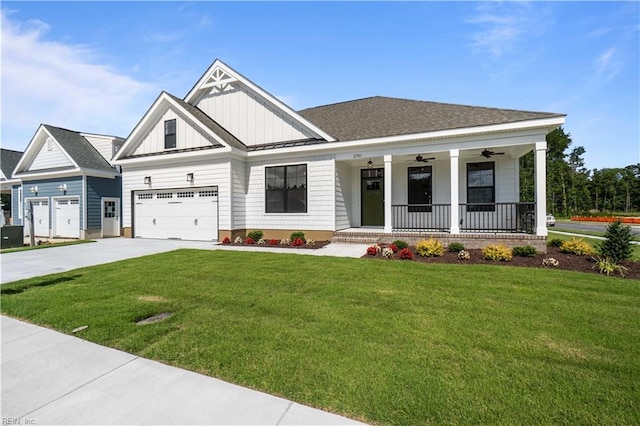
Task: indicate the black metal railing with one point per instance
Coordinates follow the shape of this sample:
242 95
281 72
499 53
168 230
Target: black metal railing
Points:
421 217
498 217
493 217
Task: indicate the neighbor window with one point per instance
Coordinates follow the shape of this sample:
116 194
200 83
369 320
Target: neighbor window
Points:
419 188
170 134
286 189
481 187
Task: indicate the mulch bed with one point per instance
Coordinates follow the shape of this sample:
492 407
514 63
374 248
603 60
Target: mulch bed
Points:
566 261
317 245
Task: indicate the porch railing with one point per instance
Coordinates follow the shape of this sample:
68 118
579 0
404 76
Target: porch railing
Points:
421 217
494 217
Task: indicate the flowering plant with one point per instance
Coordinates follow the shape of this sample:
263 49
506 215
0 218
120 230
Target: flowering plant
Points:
464 255
285 242
393 248
238 240
311 242
550 261
249 240
387 252
372 251
261 242
298 242
273 242
406 254
226 240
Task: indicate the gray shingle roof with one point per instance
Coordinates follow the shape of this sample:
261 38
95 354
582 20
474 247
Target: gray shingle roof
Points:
210 124
82 152
381 116
8 161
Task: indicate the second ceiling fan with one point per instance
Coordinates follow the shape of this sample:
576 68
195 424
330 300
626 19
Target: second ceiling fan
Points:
488 154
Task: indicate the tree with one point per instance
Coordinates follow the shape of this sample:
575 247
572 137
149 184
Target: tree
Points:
617 243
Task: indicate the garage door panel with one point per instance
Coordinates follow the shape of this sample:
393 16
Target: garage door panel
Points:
188 214
40 218
67 218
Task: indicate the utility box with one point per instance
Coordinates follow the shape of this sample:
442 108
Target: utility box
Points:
11 236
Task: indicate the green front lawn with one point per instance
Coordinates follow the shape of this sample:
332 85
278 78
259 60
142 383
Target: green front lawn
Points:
386 342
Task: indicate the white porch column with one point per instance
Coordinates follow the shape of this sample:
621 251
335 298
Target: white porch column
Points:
454 155
541 188
388 219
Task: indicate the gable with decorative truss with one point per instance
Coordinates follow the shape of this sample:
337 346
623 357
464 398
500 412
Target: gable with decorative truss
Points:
248 112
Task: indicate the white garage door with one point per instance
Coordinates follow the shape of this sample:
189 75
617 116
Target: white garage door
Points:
41 218
67 218
185 214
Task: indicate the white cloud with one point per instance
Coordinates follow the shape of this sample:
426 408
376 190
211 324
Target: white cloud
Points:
64 85
607 65
504 24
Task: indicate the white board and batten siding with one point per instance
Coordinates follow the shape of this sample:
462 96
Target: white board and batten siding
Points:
250 119
206 174
187 135
320 214
50 156
239 194
104 144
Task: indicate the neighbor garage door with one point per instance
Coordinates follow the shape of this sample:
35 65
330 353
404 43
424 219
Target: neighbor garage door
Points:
67 218
185 214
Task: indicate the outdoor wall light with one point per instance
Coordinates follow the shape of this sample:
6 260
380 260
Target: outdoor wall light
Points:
63 187
369 163
33 189
147 180
189 177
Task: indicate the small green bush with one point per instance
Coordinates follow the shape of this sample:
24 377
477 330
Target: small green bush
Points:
609 266
576 246
400 244
524 251
456 247
430 248
556 242
497 252
297 234
255 235
617 244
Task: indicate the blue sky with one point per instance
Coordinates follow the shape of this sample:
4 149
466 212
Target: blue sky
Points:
98 67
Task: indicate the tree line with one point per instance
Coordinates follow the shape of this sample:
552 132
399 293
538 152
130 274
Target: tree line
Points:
573 189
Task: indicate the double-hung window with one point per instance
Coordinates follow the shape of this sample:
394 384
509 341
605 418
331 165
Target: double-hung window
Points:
170 134
286 189
420 187
481 187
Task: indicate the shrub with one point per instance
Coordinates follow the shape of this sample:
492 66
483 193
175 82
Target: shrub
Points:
524 251
497 252
255 235
556 242
298 242
550 261
609 266
261 242
297 234
311 242
274 242
405 254
226 240
387 252
249 241
400 244
456 247
285 242
617 244
576 246
464 255
393 248
430 248
238 240
372 251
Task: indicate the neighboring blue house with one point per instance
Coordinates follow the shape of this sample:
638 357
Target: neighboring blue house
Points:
68 182
8 161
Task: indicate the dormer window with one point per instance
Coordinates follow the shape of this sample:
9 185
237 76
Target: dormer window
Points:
170 134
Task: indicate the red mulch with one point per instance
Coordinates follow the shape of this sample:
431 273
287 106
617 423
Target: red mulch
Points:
566 261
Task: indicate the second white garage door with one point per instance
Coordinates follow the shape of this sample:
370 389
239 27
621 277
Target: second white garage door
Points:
185 214
67 218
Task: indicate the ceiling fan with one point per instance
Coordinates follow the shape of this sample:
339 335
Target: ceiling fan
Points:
421 159
487 154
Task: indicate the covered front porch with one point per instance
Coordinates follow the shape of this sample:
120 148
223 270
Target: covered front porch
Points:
453 193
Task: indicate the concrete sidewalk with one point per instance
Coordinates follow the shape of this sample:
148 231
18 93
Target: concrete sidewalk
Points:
52 378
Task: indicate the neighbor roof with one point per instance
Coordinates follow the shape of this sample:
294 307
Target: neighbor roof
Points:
382 116
8 161
82 152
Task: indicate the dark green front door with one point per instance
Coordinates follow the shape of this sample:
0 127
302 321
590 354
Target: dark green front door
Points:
372 197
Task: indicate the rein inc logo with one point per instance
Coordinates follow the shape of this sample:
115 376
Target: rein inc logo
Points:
17 421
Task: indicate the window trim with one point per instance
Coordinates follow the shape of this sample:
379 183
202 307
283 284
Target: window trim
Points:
420 207
286 190
167 136
481 207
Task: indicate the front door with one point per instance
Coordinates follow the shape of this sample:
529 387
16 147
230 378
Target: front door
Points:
372 197
110 217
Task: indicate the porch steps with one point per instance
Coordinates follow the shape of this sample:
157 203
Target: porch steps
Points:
357 237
